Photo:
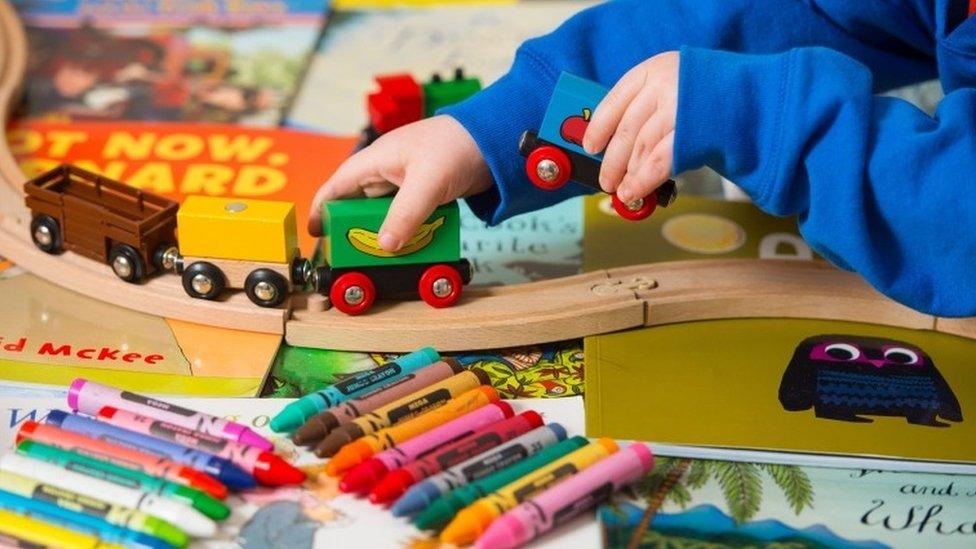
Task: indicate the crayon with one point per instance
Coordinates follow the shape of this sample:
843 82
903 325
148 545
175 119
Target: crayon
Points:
267 468
121 455
73 461
118 515
403 409
472 521
21 531
324 422
297 412
396 482
442 511
364 476
189 520
89 397
222 469
422 495
356 452
60 516
567 499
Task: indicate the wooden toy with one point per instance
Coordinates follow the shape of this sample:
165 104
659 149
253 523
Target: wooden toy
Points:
102 219
241 244
525 314
555 154
401 100
357 269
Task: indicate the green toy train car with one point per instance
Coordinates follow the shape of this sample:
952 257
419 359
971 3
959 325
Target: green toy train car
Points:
357 269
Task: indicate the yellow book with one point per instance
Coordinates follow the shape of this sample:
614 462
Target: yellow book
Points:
810 388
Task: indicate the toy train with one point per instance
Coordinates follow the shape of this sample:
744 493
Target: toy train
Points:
401 100
229 243
555 155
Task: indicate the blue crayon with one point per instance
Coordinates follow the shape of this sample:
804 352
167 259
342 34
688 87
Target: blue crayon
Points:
219 468
295 414
89 524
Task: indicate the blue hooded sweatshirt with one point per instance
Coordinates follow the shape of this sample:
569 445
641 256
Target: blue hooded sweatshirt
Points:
780 96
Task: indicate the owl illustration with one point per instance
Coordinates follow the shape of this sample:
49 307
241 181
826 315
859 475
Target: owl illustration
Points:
844 377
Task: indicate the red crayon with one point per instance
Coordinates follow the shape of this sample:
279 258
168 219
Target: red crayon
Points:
394 484
267 468
121 456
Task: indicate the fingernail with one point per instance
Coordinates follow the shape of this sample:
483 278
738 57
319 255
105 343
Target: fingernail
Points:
389 242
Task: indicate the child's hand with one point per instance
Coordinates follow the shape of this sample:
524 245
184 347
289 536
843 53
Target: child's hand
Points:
433 161
637 119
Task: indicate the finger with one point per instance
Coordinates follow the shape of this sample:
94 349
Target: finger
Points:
654 170
611 109
354 177
621 147
419 194
657 126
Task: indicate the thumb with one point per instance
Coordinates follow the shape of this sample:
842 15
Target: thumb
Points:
418 197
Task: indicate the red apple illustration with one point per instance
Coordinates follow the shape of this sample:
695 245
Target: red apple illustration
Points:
574 127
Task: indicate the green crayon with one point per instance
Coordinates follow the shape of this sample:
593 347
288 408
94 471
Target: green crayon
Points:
442 511
138 480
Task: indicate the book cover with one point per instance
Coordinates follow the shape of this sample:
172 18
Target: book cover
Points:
193 60
798 387
545 371
705 503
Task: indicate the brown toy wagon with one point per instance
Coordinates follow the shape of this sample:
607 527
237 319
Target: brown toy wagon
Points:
108 221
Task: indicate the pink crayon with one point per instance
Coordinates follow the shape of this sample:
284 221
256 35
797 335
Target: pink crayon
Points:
89 397
567 499
364 476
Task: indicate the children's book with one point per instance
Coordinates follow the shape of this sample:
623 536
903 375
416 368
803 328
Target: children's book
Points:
717 504
544 371
693 227
50 335
192 60
804 392
180 159
315 514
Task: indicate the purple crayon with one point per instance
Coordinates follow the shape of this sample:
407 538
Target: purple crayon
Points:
89 397
567 499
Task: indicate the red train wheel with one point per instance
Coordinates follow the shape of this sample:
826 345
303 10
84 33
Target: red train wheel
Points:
641 208
548 167
352 293
440 286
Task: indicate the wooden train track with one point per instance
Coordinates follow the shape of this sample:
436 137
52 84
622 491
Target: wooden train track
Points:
571 307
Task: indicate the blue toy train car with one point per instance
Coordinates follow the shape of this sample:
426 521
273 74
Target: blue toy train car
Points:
555 154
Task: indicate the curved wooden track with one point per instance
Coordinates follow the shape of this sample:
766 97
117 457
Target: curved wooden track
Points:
571 307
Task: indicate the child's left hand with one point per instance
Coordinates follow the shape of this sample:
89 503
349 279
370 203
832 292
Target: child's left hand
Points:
635 124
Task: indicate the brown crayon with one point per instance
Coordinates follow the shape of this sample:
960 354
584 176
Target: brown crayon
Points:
321 424
408 407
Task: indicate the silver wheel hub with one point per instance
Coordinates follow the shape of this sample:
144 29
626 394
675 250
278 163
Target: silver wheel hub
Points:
265 291
201 284
635 205
169 258
43 235
122 266
354 295
442 287
547 170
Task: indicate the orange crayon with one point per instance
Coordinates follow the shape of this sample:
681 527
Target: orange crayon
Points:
356 452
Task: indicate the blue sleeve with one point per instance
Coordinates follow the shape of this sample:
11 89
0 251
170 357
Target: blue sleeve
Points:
878 186
604 42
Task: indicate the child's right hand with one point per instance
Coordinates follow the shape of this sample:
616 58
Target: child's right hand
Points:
433 162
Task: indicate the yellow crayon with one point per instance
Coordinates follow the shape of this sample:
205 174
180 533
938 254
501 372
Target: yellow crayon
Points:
360 450
38 532
474 519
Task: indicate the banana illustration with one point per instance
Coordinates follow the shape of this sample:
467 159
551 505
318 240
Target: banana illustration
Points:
368 243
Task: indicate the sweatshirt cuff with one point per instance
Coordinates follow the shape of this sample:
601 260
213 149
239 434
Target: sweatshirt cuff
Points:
730 116
496 117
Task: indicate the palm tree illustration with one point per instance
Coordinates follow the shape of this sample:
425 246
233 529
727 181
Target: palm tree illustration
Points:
674 479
